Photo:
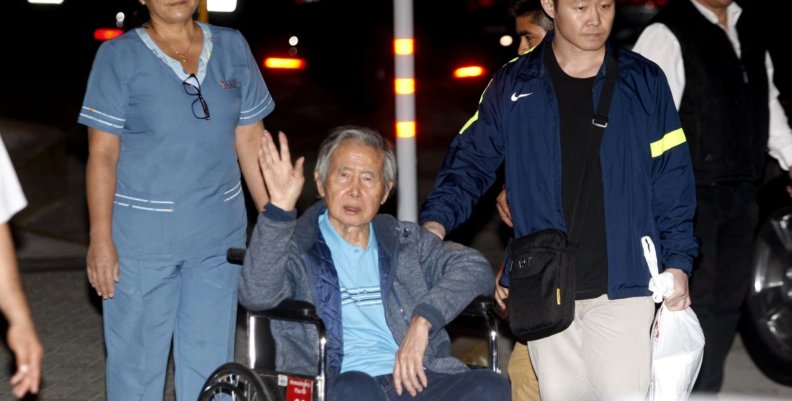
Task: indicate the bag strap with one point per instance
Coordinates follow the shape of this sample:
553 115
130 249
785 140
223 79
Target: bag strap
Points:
650 255
599 120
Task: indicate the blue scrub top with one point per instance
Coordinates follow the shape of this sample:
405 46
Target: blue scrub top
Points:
178 188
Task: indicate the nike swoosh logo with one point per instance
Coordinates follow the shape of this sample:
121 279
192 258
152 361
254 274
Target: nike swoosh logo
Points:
516 97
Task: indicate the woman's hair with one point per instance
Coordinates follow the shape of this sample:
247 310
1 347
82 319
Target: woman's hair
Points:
139 15
361 135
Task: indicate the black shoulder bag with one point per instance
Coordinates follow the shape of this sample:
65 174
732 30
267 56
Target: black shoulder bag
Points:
542 275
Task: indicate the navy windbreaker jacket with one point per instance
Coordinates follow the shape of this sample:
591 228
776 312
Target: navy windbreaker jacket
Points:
647 176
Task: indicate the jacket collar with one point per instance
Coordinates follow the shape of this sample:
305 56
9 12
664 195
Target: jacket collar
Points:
386 228
307 227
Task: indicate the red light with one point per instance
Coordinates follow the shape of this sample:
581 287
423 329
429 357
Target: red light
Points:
107 33
285 63
470 71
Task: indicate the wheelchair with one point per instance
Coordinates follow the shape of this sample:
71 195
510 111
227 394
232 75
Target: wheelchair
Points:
260 381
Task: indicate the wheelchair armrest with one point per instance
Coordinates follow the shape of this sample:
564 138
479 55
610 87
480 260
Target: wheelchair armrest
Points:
290 310
235 256
482 305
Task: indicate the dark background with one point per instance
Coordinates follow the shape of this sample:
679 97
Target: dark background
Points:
48 51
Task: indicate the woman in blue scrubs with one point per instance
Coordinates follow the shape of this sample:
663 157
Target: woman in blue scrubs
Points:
174 112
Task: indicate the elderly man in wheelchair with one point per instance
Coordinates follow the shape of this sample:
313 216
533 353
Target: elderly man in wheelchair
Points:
383 288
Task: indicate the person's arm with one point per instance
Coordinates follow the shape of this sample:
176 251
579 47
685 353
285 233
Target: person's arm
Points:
248 142
102 259
469 168
408 372
502 204
673 194
256 104
456 275
779 141
272 261
680 298
435 228
659 44
22 338
501 293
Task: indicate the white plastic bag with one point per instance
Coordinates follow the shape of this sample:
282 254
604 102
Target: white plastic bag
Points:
677 351
677 341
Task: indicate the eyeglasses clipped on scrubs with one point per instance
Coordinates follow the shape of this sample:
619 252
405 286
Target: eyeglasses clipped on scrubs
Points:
193 88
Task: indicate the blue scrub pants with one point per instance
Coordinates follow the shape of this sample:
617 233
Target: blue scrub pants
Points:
192 302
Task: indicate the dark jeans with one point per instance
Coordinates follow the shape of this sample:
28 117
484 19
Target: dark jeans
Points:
473 385
725 223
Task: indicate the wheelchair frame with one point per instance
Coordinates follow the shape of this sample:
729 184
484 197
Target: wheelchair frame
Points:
254 382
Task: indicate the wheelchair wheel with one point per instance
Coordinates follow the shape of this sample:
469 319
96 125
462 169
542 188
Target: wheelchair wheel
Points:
233 381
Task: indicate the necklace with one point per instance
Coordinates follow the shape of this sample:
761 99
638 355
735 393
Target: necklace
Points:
182 56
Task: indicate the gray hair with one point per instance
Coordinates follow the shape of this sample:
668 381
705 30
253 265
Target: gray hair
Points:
364 136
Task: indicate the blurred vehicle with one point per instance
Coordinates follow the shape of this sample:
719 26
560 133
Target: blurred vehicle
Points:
766 325
631 17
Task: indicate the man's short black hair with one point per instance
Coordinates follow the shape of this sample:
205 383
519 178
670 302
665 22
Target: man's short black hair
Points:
519 8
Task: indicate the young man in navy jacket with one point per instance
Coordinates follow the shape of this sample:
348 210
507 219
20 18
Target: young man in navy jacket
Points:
536 117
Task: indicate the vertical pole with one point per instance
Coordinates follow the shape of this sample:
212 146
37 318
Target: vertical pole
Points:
203 14
404 87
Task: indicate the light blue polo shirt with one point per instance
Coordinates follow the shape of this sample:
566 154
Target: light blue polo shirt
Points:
179 191
369 345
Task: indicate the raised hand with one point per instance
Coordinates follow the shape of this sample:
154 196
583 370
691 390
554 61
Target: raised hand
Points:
284 181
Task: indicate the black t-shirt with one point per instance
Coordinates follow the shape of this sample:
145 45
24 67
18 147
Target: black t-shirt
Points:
575 109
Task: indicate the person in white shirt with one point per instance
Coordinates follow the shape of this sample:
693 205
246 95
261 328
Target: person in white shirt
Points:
22 338
721 77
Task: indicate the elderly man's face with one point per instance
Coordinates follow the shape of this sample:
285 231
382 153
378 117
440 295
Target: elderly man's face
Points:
355 186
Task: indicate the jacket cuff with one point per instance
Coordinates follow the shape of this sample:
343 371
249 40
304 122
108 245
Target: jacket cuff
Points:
275 213
684 264
431 314
423 219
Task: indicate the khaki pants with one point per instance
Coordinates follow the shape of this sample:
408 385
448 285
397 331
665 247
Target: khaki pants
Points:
603 355
524 385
